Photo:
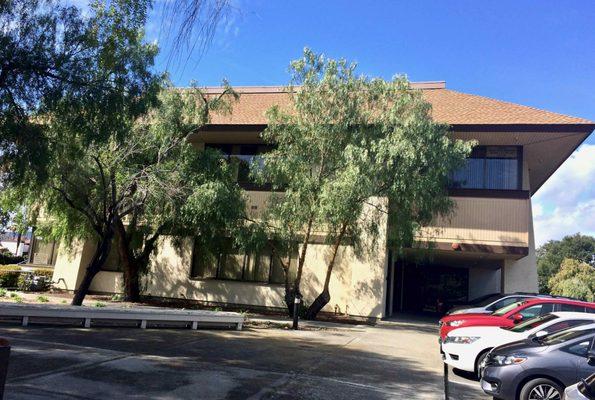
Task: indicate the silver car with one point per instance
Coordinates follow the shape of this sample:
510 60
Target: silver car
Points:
584 390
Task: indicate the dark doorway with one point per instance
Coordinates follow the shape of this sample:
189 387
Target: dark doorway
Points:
428 287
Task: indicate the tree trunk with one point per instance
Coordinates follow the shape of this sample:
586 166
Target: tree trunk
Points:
325 297
99 258
292 292
130 265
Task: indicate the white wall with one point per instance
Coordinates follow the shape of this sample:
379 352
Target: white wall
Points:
483 281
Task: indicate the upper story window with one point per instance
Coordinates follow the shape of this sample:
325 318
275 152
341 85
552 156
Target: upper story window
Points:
490 167
245 155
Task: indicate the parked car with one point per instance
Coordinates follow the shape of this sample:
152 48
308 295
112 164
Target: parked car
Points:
513 313
489 303
465 348
540 369
584 390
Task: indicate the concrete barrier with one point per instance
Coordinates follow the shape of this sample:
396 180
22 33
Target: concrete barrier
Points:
141 315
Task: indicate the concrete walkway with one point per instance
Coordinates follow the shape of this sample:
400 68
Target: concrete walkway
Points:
390 361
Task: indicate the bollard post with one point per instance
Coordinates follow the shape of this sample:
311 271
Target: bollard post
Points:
445 381
296 310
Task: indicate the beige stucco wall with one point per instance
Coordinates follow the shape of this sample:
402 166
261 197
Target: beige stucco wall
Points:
71 262
107 282
521 275
356 287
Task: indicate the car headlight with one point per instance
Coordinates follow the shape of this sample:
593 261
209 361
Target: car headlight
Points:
508 360
456 322
461 339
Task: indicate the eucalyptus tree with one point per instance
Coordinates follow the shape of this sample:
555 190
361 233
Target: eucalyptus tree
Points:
350 152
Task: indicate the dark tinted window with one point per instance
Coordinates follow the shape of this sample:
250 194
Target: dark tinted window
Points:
571 307
565 325
505 302
490 167
580 348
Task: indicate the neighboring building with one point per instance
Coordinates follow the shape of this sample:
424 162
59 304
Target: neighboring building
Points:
17 245
486 246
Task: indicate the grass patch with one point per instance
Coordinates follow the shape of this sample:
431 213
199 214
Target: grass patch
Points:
43 299
2 292
99 304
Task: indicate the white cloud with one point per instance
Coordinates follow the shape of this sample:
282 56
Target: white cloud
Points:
566 202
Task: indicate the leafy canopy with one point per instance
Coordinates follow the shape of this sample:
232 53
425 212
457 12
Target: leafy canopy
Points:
551 254
346 139
574 279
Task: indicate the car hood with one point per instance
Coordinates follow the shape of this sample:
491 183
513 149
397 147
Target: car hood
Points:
464 316
487 331
468 310
525 346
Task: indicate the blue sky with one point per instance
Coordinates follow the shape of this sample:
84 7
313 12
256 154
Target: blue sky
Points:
537 53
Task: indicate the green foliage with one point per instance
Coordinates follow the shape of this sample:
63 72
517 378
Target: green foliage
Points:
9 275
6 257
42 299
99 304
38 280
574 279
347 141
2 292
551 254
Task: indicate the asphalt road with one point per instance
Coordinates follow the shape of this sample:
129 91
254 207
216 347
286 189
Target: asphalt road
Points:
390 361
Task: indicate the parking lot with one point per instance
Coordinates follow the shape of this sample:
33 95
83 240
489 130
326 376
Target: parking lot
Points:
397 360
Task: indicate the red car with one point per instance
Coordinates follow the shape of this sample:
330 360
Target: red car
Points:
513 314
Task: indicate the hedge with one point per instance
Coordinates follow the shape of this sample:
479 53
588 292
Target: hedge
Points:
9 275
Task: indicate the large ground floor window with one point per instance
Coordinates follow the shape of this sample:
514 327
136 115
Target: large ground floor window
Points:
264 266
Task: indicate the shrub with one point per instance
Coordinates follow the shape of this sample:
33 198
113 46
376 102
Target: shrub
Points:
42 299
7 257
38 280
2 292
99 304
9 275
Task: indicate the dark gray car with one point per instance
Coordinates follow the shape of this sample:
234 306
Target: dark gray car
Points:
540 369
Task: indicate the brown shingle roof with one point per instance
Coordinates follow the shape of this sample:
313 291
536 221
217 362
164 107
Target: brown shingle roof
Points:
449 106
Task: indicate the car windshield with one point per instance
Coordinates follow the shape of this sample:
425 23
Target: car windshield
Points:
485 300
509 307
532 323
564 336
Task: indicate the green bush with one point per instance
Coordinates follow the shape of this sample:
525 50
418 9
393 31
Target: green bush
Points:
7 257
2 292
42 299
39 280
9 275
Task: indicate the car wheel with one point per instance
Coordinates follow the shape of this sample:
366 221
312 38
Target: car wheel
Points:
541 389
478 363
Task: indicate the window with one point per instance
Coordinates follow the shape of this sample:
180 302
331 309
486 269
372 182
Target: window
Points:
566 324
579 349
246 156
571 307
505 302
536 310
490 167
233 264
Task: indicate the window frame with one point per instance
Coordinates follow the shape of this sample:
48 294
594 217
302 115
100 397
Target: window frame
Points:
245 260
480 153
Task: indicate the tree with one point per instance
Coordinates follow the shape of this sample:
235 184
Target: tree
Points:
44 53
574 279
187 192
346 141
551 254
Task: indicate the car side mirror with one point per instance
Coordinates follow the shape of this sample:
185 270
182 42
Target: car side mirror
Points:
539 335
517 318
